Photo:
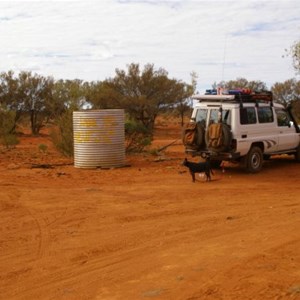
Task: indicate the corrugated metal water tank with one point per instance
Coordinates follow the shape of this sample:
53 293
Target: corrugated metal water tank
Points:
99 138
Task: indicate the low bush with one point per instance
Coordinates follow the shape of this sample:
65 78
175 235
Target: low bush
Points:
62 135
7 121
137 136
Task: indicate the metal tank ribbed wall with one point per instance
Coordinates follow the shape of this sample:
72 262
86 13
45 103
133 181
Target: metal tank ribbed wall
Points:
99 138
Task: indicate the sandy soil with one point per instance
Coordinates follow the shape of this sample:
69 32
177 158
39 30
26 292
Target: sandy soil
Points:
146 231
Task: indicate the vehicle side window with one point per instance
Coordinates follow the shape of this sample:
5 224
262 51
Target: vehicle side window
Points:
247 115
283 119
201 116
265 115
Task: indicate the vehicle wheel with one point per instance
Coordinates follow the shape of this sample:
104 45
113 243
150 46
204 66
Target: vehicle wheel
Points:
297 154
227 136
215 164
226 139
254 160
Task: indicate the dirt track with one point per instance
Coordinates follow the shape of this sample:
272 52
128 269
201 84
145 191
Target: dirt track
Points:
146 231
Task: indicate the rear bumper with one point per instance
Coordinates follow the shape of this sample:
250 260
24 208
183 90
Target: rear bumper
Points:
229 156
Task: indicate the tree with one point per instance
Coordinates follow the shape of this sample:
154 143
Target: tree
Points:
36 93
143 94
10 96
295 53
255 85
288 94
26 94
284 92
68 96
185 103
100 95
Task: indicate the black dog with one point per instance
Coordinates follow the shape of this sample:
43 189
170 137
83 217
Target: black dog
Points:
201 167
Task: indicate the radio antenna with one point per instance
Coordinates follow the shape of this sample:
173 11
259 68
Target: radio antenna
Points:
224 58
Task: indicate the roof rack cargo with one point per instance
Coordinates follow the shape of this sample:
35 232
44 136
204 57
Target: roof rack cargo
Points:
235 96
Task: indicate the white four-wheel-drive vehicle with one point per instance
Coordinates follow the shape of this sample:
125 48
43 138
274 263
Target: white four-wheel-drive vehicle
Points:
242 126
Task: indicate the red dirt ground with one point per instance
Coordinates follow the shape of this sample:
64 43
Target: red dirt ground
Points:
146 231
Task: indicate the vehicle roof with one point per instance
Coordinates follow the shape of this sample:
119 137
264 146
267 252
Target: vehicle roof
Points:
236 100
213 97
212 104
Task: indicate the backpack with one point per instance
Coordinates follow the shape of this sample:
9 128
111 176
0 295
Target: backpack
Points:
215 134
189 134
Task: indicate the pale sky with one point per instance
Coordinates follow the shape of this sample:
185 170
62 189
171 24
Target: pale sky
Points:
88 40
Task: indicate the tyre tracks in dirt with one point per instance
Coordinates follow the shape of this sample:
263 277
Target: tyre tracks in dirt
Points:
176 240
107 264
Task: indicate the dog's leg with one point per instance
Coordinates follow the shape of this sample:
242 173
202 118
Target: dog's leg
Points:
207 176
193 176
207 173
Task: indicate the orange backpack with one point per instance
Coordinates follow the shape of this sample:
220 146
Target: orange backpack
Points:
189 134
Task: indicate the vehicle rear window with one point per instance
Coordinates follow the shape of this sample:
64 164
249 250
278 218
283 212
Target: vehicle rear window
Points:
201 116
214 115
247 115
265 115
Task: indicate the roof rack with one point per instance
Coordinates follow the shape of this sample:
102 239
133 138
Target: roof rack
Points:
218 98
236 96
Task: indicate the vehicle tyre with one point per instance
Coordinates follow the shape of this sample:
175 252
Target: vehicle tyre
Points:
200 134
216 164
226 139
227 136
297 154
254 160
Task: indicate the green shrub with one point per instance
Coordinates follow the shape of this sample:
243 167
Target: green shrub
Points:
43 148
137 136
9 140
62 135
7 121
